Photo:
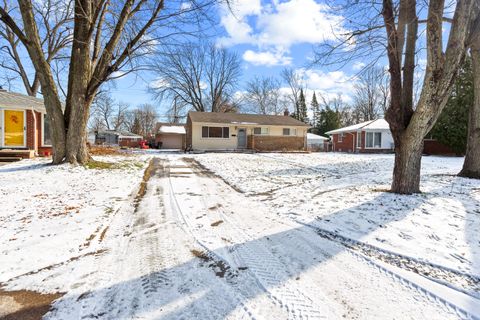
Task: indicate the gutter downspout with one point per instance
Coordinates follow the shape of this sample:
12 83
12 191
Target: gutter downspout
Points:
353 141
35 133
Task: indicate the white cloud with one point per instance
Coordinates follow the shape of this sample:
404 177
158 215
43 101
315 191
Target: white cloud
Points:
117 74
158 84
279 25
329 84
357 66
298 21
185 6
267 58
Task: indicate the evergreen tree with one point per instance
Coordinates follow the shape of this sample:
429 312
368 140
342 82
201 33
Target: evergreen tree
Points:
451 126
302 108
316 113
328 120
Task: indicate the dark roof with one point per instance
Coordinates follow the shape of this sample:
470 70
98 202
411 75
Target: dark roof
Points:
243 118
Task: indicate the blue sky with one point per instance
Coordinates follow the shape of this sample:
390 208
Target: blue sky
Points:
268 36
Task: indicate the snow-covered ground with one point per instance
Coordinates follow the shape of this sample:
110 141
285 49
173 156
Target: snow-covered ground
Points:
345 194
53 219
267 236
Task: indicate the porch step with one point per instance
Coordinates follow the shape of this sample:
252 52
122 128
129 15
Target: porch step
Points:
10 159
23 154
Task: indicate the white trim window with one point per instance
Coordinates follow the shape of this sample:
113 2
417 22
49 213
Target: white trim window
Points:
46 138
359 139
215 132
373 140
289 132
341 136
260 131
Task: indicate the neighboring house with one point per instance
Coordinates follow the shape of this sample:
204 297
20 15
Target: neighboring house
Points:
120 138
234 131
315 142
367 137
24 129
170 136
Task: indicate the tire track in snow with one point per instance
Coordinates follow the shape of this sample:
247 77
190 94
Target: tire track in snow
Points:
368 252
268 271
439 301
176 208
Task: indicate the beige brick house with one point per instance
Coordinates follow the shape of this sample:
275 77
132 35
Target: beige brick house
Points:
235 131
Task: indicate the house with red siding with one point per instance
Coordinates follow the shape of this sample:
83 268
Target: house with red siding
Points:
24 127
372 136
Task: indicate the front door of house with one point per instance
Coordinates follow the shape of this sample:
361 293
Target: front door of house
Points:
14 128
241 138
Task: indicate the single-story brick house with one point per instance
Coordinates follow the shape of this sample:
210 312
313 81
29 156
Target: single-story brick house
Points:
367 137
235 131
170 136
24 126
120 138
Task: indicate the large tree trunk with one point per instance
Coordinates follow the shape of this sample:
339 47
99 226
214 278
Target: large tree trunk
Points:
471 166
406 172
78 104
53 104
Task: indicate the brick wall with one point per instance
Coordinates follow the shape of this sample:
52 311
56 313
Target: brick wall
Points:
42 151
433 147
129 142
275 143
347 143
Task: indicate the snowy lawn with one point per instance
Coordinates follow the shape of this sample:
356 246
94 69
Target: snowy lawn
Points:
53 219
344 194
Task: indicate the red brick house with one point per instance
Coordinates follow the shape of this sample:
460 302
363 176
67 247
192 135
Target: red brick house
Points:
367 137
235 131
118 138
24 126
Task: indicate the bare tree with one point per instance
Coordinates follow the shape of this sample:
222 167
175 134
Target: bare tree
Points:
201 76
263 95
103 109
119 116
107 37
471 165
391 28
55 18
294 82
408 124
370 96
141 120
110 114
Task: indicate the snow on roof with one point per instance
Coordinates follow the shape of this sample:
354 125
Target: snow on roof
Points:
120 134
20 101
378 124
172 129
311 136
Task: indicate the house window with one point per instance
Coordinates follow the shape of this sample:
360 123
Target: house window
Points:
377 141
260 131
359 139
340 137
289 132
373 140
47 139
215 132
